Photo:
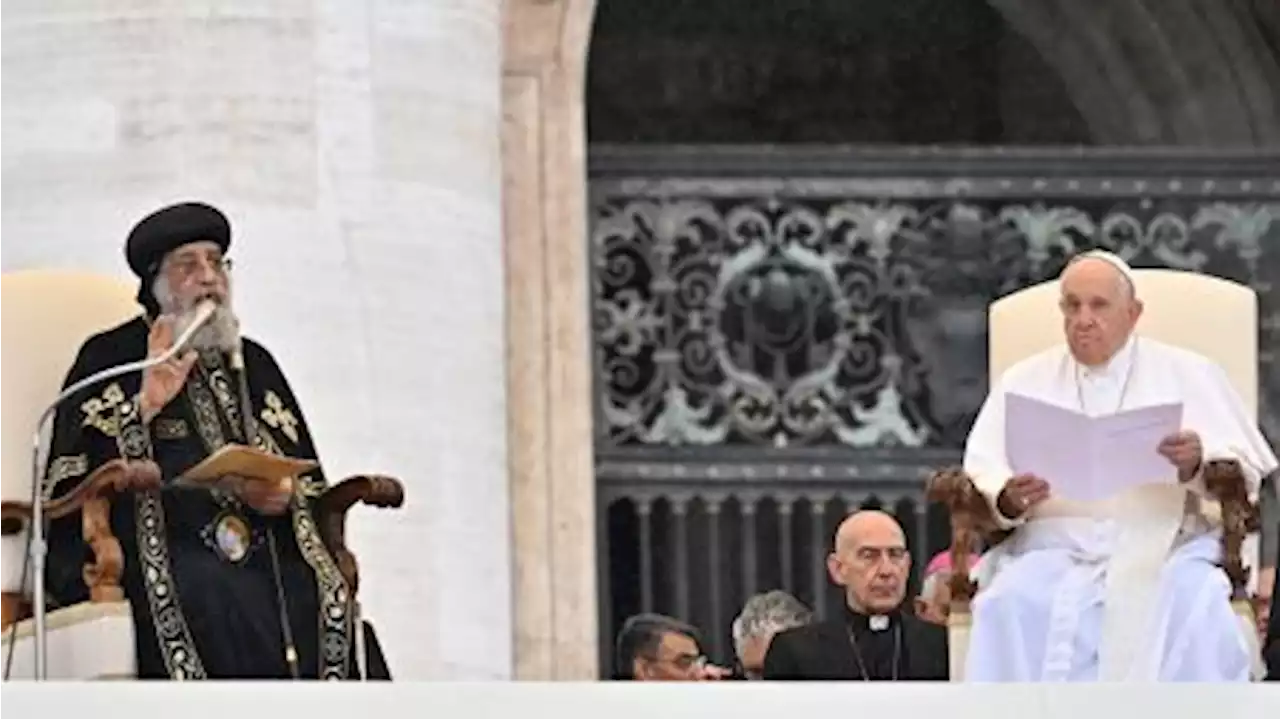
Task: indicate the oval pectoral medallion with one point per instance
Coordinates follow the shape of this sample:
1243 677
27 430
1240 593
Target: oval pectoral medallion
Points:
232 535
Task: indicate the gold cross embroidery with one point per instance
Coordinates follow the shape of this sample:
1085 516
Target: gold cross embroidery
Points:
277 416
98 412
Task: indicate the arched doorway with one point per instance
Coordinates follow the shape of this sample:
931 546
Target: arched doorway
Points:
799 215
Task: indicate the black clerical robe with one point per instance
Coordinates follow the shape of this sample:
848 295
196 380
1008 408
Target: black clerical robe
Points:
845 648
204 606
1271 642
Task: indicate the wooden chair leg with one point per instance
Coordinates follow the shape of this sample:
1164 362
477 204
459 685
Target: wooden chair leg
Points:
12 609
92 498
102 576
330 511
1224 479
971 520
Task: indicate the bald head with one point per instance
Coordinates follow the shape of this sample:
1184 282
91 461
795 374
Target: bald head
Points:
1099 307
870 561
868 526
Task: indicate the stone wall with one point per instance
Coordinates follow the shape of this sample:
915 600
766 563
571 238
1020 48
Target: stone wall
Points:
356 149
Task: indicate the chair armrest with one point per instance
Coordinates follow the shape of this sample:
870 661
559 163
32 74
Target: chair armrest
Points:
92 498
330 510
1224 480
115 477
972 518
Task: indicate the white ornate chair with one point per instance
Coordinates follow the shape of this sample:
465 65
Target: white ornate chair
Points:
1182 309
47 315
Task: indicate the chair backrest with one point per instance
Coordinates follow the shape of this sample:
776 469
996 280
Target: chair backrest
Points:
1213 317
47 315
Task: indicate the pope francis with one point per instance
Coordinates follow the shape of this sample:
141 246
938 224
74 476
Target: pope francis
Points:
1128 589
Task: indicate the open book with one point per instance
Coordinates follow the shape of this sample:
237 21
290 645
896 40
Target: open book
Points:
1089 458
246 462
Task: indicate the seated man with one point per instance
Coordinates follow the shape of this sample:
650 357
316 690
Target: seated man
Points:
873 637
1138 596
226 582
657 648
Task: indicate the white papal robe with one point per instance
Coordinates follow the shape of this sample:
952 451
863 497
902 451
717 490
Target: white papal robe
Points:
1130 589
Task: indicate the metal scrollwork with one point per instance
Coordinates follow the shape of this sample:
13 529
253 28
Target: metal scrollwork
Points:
749 323
733 316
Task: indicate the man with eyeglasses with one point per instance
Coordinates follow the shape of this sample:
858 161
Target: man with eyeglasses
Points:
873 638
232 581
654 647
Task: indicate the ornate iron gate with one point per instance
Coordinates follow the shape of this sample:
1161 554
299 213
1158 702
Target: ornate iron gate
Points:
784 334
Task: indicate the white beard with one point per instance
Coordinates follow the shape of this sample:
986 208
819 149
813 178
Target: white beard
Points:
221 332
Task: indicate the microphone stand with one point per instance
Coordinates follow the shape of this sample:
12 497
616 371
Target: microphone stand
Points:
37 546
362 656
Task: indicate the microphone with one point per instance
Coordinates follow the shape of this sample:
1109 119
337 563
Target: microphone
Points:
37 548
204 312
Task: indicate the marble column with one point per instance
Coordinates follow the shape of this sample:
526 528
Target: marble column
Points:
549 338
356 148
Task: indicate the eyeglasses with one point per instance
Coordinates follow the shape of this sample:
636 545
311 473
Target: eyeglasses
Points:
683 662
191 264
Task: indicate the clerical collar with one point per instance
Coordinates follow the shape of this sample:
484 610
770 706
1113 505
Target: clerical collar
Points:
860 622
1117 366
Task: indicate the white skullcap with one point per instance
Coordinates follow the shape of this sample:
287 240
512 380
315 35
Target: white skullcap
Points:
1110 258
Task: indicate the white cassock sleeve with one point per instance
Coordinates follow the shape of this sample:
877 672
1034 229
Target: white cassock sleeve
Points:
1218 415
985 459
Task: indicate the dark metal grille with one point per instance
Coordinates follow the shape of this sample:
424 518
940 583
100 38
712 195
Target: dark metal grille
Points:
781 335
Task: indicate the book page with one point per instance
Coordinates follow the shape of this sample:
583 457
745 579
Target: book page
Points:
1125 448
246 462
1084 458
1047 441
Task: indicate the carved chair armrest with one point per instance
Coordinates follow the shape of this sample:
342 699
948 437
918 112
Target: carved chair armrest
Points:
92 498
972 518
1225 482
330 510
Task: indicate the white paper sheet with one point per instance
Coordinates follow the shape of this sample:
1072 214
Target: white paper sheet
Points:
1089 458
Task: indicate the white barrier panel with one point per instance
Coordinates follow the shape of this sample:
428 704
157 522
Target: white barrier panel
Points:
89 640
620 700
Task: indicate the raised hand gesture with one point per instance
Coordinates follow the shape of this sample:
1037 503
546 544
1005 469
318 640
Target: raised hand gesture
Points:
163 382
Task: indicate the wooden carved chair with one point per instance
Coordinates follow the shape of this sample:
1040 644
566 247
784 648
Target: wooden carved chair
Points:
1182 309
46 317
